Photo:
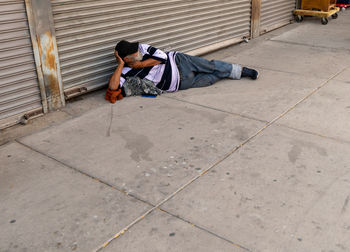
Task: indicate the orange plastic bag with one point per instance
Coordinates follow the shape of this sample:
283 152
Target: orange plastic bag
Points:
113 95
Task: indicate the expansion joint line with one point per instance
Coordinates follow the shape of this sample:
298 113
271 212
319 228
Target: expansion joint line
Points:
216 109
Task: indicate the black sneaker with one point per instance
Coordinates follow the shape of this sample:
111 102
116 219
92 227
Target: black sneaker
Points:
247 72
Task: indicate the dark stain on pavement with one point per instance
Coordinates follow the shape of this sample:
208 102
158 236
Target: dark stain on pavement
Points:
138 144
241 133
298 146
294 153
346 202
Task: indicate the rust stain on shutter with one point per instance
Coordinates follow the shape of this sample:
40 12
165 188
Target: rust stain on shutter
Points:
49 67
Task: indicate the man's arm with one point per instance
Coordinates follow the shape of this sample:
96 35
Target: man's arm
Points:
146 63
115 79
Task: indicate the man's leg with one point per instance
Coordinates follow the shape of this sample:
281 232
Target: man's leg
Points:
200 65
200 72
195 70
204 80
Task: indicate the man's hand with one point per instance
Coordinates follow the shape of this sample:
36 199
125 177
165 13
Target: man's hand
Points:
115 79
118 58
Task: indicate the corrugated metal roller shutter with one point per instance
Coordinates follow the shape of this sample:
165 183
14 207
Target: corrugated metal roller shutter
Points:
87 31
19 89
275 13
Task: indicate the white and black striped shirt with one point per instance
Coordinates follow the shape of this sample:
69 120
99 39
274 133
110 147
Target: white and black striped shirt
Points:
164 75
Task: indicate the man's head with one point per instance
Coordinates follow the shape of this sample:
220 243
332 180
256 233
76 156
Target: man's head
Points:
129 52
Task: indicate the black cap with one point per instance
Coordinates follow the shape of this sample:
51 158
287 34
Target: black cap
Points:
125 48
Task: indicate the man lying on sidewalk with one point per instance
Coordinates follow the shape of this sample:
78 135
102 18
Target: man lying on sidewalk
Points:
170 71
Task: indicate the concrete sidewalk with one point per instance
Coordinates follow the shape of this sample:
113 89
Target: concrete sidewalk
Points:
239 166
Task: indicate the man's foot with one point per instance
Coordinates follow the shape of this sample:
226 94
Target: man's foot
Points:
247 72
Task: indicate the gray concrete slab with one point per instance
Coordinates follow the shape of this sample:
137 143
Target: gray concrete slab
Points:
284 191
46 206
299 59
311 32
265 99
326 112
148 150
161 232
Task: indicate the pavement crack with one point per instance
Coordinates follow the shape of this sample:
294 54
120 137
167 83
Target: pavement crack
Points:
108 134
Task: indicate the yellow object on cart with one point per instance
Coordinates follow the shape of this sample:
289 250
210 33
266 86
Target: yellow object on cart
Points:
317 8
